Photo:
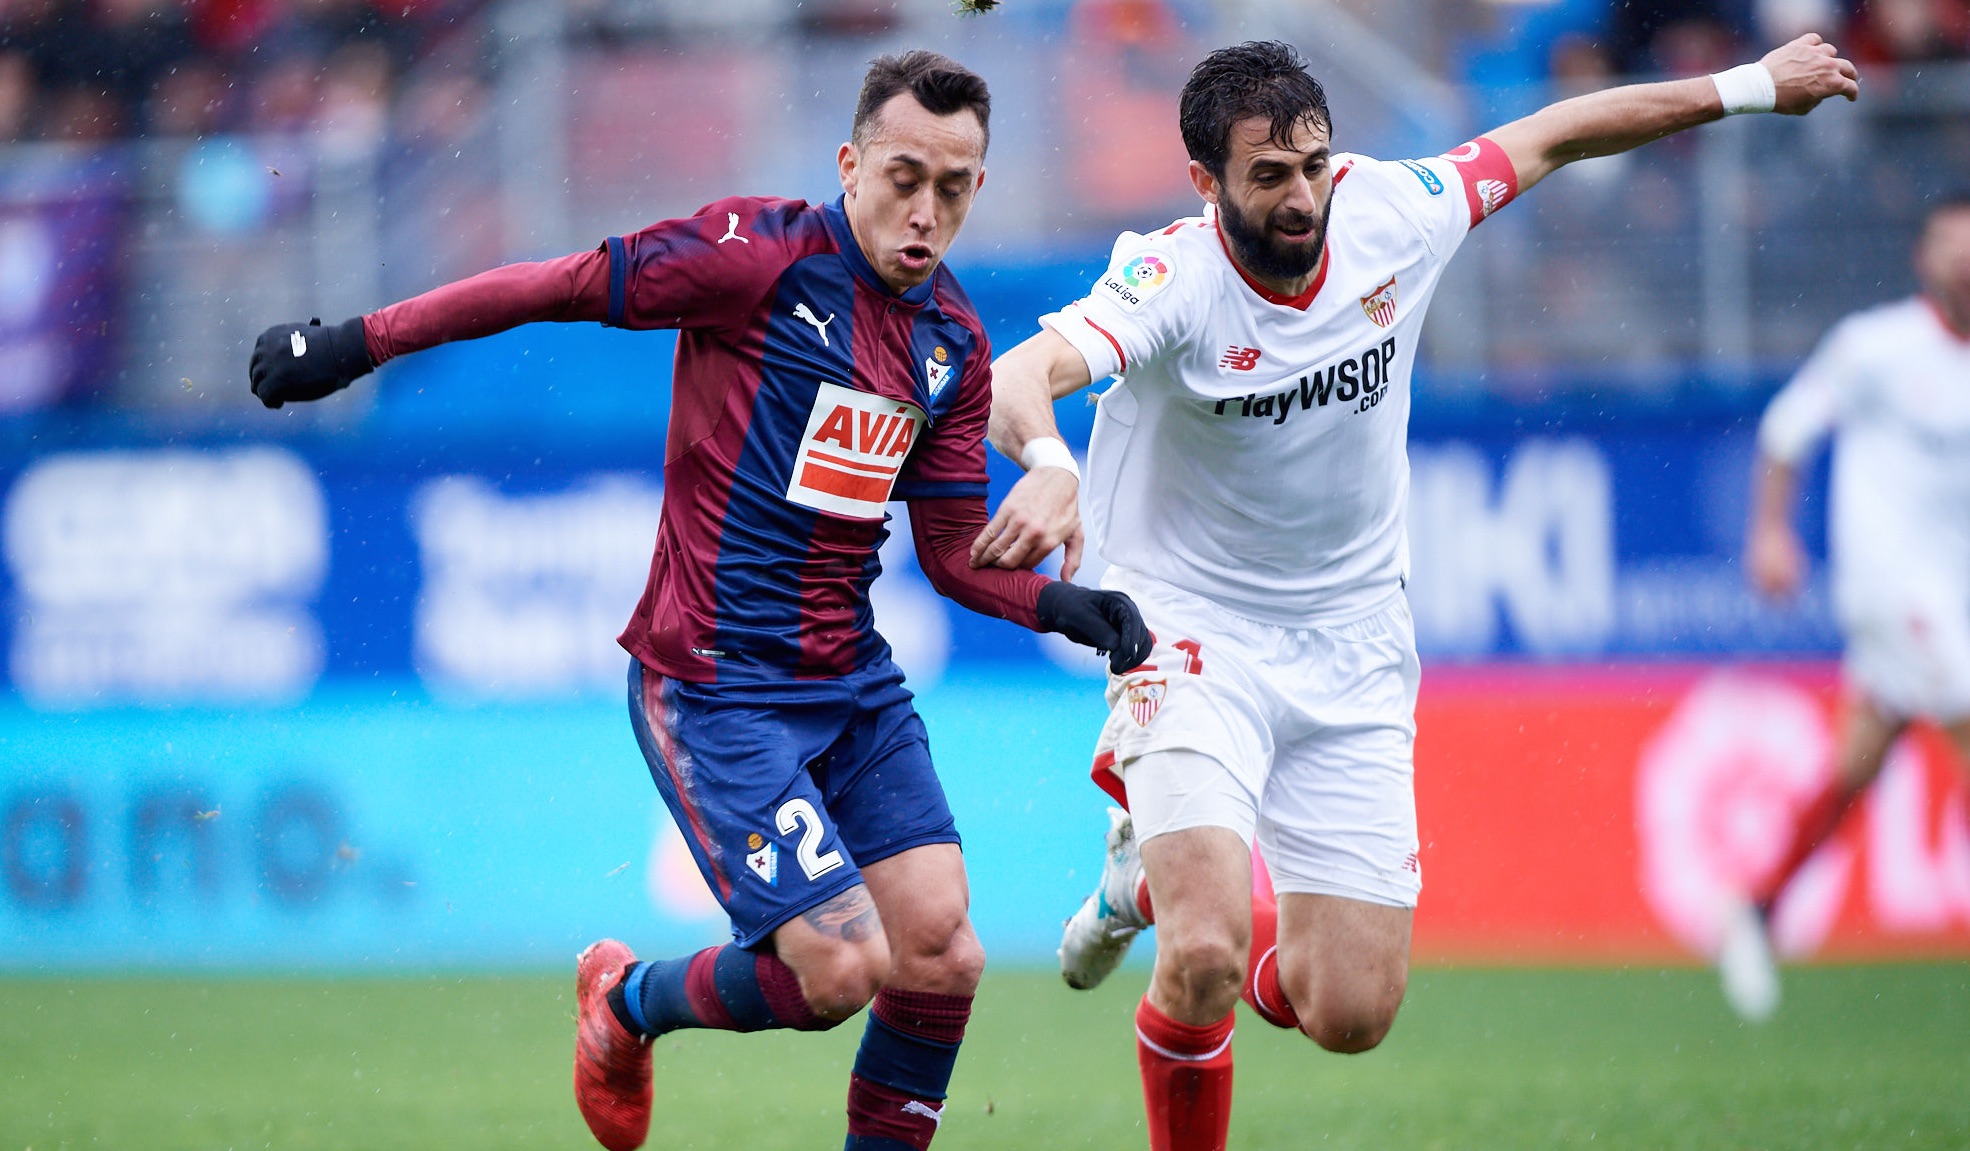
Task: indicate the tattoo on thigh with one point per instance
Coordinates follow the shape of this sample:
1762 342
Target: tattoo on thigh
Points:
850 916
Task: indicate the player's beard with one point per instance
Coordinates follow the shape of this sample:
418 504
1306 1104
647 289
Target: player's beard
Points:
1262 254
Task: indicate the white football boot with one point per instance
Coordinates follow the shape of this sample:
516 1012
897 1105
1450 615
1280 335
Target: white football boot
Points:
1746 964
1098 935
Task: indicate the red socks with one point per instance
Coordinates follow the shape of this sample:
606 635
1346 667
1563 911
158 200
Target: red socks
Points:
1813 826
1186 1080
1262 992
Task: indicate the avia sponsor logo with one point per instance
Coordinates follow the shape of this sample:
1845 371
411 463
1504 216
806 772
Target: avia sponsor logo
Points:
1379 305
1361 380
1134 282
1426 176
1237 359
854 445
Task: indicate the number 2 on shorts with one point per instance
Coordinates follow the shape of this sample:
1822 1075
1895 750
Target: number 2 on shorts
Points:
798 813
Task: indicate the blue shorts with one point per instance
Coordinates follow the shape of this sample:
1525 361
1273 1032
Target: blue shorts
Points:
784 790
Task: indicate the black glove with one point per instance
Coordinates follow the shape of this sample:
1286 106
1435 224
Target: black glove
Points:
307 361
1106 621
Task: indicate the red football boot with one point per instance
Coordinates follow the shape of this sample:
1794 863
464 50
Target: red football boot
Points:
612 1067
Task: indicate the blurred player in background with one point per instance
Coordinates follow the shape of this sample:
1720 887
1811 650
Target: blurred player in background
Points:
828 363
1248 479
1892 385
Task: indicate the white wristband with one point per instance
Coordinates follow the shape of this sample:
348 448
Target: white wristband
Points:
1746 88
1048 452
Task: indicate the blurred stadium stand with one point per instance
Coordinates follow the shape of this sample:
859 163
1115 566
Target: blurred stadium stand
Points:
182 172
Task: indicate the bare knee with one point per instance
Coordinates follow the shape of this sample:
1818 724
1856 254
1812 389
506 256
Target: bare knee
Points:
840 953
1200 974
937 951
1349 1021
840 981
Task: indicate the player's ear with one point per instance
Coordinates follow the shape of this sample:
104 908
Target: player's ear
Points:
848 160
1205 183
981 180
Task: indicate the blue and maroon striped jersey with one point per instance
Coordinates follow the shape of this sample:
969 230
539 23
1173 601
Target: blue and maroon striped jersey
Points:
807 395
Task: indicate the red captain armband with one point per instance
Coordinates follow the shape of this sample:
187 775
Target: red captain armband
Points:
1490 181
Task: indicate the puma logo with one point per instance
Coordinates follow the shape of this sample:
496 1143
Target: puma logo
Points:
732 229
934 1114
803 312
299 343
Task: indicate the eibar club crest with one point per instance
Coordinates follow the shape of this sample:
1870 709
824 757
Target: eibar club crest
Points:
1380 304
1145 698
937 370
764 861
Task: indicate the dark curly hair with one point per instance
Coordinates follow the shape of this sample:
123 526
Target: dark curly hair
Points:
1258 78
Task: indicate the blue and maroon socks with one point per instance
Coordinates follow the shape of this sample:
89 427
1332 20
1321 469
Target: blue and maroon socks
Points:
721 988
903 1070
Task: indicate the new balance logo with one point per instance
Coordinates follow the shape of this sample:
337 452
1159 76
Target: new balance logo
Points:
1239 359
299 343
732 229
803 312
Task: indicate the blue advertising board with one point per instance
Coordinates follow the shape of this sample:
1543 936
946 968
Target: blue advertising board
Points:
350 700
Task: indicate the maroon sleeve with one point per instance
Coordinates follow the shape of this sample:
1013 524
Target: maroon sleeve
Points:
566 289
706 271
944 529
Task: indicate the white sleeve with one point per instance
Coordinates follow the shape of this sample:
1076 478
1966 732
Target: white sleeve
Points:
1135 313
1805 410
1444 197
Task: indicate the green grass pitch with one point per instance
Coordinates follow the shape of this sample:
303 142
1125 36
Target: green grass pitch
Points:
1858 1057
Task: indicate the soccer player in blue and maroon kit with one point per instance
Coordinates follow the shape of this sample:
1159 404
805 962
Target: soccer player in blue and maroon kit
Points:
827 364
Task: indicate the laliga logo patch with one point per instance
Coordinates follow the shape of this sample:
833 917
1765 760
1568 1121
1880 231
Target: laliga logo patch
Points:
1139 279
937 370
1491 195
1379 305
1146 271
1145 699
764 860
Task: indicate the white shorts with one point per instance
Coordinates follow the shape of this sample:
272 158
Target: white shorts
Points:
1313 734
1909 652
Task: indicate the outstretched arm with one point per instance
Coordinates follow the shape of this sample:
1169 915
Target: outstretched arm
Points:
1042 511
1801 74
307 361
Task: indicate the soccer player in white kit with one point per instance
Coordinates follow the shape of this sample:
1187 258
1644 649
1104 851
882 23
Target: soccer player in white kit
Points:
1892 386
1247 483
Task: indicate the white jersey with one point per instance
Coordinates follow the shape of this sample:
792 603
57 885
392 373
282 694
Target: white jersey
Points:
1255 451
1894 382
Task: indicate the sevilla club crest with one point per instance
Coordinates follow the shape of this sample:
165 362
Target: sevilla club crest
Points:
1145 699
1380 304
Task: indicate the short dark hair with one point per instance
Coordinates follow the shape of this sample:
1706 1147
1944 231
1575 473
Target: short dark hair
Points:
1258 78
942 85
